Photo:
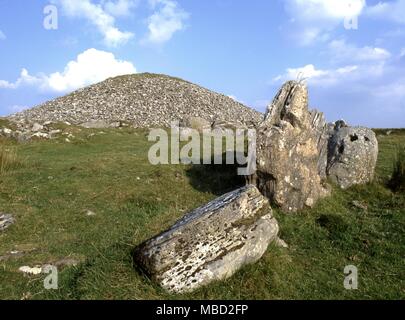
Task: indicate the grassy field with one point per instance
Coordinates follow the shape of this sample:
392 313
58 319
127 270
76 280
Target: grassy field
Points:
54 184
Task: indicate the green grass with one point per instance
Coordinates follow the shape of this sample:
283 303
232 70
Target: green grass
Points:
397 182
8 159
110 175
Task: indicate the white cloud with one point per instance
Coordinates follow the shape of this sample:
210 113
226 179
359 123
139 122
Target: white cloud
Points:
313 20
90 67
24 79
309 35
317 76
342 51
393 11
119 8
2 35
391 90
99 17
325 9
165 21
351 63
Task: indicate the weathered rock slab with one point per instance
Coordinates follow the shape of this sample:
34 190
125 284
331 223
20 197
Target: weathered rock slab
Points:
210 243
353 153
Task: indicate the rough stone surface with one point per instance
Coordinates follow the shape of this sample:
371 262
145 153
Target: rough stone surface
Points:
31 270
95 124
196 123
353 153
290 140
210 243
25 130
142 100
322 132
6 220
37 127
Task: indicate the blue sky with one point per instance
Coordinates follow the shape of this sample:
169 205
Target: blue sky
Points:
352 52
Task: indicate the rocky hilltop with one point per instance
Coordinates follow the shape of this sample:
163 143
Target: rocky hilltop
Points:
142 100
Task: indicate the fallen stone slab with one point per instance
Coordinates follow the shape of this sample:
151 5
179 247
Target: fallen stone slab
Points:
6 220
210 243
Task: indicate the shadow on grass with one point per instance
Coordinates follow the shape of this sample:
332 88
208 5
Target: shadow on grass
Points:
217 179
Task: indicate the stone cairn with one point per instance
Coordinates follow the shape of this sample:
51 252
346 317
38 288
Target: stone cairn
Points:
297 152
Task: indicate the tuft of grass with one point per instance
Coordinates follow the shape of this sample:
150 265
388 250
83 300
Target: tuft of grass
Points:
334 224
397 182
8 159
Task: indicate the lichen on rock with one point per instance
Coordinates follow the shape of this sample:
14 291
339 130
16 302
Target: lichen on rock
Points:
289 150
210 243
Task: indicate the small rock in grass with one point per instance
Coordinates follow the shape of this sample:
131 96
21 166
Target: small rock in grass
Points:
26 296
32 271
359 205
6 220
90 213
66 262
37 127
7 131
280 243
40 135
54 132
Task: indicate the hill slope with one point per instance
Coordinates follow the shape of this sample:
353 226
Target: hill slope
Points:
145 100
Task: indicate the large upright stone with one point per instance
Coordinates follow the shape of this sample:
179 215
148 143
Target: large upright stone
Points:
210 243
290 140
353 153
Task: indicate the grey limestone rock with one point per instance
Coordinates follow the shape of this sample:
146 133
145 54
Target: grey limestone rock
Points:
290 141
353 153
210 243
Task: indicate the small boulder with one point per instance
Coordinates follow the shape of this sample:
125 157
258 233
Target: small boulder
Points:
6 220
210 243
7 132
40 135
352 158
195 123
36 127
31 270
